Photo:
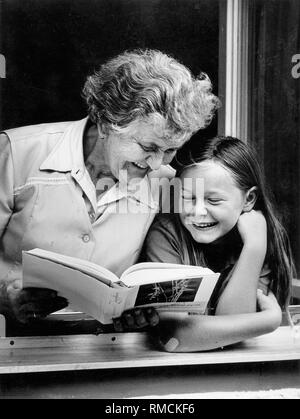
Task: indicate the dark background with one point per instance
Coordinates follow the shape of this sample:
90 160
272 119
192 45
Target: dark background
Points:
275 107
52 45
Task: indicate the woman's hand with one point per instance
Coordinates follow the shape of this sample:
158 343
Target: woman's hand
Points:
252 227
136 319
30 304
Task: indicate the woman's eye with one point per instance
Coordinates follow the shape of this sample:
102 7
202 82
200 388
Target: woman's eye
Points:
148 149
144 148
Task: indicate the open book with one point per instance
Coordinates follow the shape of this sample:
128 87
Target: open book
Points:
96 291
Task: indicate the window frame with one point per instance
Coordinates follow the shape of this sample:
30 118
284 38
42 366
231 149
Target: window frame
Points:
234 66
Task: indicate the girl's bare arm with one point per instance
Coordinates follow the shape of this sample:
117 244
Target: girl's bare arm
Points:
240 294
184 333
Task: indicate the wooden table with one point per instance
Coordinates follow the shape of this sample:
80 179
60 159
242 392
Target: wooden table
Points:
132 350
126 365
296 289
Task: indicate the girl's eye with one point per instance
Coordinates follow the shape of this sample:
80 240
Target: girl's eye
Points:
214 201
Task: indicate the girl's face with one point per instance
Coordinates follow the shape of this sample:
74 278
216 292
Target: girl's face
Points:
211 201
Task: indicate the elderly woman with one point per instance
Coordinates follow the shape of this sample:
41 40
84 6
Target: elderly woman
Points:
54 189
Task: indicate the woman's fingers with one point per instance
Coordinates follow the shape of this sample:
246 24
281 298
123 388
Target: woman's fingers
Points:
152 316
118 325
136 319
35 294
139 318
129 320
34 303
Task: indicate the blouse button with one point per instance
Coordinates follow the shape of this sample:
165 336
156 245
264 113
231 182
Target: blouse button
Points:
86 238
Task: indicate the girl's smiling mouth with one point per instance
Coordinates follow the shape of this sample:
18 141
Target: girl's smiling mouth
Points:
204 226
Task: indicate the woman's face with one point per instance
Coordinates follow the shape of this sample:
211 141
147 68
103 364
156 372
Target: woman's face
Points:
142 148
211 201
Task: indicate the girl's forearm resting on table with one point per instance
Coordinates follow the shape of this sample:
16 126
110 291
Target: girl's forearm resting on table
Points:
184 333
240 295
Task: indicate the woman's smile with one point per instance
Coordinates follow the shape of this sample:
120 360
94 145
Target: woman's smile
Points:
140 165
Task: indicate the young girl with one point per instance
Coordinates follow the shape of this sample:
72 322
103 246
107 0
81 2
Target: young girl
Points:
225 222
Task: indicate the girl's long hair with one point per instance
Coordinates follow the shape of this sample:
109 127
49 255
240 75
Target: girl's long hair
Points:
239 158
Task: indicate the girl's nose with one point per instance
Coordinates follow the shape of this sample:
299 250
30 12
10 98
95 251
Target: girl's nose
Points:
200 208
155 161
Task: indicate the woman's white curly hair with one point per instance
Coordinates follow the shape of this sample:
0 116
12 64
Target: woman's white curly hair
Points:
142 83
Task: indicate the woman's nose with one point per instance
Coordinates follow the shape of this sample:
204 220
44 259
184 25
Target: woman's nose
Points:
155 161
168 157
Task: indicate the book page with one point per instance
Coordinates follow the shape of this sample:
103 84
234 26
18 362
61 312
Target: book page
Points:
150 272
172 287
85 266
82 291
179 294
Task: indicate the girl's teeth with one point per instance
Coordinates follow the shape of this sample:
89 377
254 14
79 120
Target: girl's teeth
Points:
205 225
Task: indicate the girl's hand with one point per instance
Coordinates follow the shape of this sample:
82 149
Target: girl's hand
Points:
136 319
252 227
268 303
177 332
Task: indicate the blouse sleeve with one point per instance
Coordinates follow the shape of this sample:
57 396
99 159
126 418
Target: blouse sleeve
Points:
161 244
6 182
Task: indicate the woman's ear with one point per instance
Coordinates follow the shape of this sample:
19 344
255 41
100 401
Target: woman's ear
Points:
251 198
